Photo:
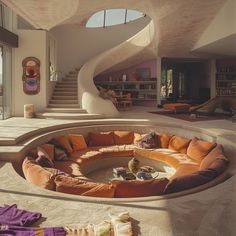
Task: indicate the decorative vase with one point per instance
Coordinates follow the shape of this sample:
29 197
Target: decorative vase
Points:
124 77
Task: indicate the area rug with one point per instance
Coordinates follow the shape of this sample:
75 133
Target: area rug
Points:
191 118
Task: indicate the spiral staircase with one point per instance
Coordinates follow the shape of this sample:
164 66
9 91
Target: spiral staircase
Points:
64 101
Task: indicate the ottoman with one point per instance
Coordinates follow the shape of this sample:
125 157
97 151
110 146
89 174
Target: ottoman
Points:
182 107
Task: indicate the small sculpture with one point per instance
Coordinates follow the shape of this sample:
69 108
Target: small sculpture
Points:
133 165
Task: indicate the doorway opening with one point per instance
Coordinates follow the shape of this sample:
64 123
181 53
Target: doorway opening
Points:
5 82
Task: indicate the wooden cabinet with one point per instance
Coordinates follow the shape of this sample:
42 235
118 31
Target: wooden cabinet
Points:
141 91
226 78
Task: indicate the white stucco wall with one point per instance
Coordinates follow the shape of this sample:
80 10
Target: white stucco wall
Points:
76 44
31 43
223 25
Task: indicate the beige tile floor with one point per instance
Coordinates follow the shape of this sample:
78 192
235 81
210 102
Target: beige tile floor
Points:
211 212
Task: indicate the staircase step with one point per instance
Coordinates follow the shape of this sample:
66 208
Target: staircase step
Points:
62 97
65 110
73 73
68 116
62 105
66 86
73 83
66 89
62 93
61 101
71 77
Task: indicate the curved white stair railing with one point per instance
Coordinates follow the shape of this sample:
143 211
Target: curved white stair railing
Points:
88 94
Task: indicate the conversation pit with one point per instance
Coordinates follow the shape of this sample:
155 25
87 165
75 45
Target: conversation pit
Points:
80 162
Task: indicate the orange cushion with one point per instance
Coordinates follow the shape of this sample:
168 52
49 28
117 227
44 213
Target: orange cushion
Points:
216 153
71 185
218 166
176 106
46 154
134 188
76 186
190 181
64 141
101 139
78 142
123 137
198 149
164 140
197 178
37 175
179 144
49 149
69 167
101 190
185 169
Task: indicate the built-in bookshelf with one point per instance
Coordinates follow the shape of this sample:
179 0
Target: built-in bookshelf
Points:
141 91
226 78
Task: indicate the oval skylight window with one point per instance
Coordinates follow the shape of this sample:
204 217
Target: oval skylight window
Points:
112 17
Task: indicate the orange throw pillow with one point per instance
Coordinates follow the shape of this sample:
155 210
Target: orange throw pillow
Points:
78 142
164 140
64 141
101 139
46 155
135 188
37 175
49 149
123 137
179 144
198 149
216 153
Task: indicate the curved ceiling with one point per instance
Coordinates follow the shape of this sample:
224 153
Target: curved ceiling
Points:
178 23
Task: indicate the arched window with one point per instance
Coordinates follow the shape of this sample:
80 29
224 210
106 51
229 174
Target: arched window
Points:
112 17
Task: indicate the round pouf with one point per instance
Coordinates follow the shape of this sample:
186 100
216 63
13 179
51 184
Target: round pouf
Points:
28 110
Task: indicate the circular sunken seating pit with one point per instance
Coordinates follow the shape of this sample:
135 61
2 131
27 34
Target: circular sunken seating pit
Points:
68 164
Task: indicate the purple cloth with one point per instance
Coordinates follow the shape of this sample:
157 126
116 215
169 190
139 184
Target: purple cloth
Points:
10 215
10 230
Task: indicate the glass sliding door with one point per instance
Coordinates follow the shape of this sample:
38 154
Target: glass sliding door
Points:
5 67
1 83
5 82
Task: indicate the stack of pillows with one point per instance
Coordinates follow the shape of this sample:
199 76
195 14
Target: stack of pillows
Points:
52 166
